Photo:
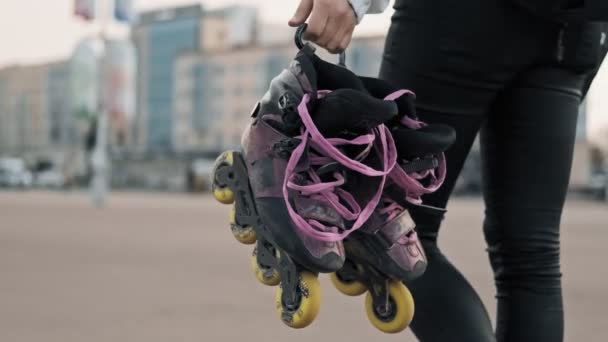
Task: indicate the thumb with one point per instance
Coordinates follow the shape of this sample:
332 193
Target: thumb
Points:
302 13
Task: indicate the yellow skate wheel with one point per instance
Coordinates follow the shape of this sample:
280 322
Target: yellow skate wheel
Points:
349 288
245 235
223 194
266 276
399 311
310 302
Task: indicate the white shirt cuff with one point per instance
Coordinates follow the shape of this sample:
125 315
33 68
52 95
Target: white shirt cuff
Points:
362 7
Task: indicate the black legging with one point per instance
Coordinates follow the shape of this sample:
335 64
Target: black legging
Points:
484 65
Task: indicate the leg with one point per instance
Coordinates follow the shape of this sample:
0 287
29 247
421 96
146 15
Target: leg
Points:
457 56
456 91
447 306
527 146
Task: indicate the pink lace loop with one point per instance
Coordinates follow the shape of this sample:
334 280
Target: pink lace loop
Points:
410 182
412 123
328 146
397 94
317 186
406 120
329 192
392 209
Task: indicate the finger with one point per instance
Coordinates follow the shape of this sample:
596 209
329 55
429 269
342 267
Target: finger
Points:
335 44
302 13
316 24
346 40
332 29
334 47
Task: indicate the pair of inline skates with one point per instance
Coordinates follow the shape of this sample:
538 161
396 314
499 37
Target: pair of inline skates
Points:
329 165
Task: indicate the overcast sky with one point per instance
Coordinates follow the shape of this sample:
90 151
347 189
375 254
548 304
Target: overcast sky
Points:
39 30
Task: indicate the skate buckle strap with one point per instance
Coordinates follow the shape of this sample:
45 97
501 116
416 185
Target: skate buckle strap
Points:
285 147
411 181
397 228
330 192
420 165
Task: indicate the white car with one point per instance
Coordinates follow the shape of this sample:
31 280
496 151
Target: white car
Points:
14 173
50 179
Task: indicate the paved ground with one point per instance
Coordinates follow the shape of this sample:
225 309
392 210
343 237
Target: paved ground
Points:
165 268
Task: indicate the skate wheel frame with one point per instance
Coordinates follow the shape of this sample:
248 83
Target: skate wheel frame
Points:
266 276
349 288
400 312
297 307
309 306
245 235
222 192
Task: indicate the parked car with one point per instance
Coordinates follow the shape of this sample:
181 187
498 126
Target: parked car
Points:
50 179
199 175
599 185
14 173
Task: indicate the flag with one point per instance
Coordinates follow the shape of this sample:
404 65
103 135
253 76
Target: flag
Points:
85 9
120 86
124 10
84 79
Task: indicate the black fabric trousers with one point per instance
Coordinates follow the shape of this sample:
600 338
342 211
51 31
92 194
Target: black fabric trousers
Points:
486 66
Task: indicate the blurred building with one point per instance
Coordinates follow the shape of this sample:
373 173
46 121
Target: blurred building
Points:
229 28
216 90
36 122
159 37
199 74
7 119
197 69
58 105
272 34
363 56
25 123
163 35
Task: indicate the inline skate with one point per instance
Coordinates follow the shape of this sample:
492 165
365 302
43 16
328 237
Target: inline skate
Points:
386 252
288 183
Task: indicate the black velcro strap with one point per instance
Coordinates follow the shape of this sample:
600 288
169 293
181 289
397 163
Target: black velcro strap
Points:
419 165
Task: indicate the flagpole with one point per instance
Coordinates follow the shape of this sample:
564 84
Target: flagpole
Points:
100 161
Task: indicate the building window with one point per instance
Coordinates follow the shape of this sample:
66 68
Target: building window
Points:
221 35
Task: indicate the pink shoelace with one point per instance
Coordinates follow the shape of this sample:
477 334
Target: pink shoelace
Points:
327 150
411 182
